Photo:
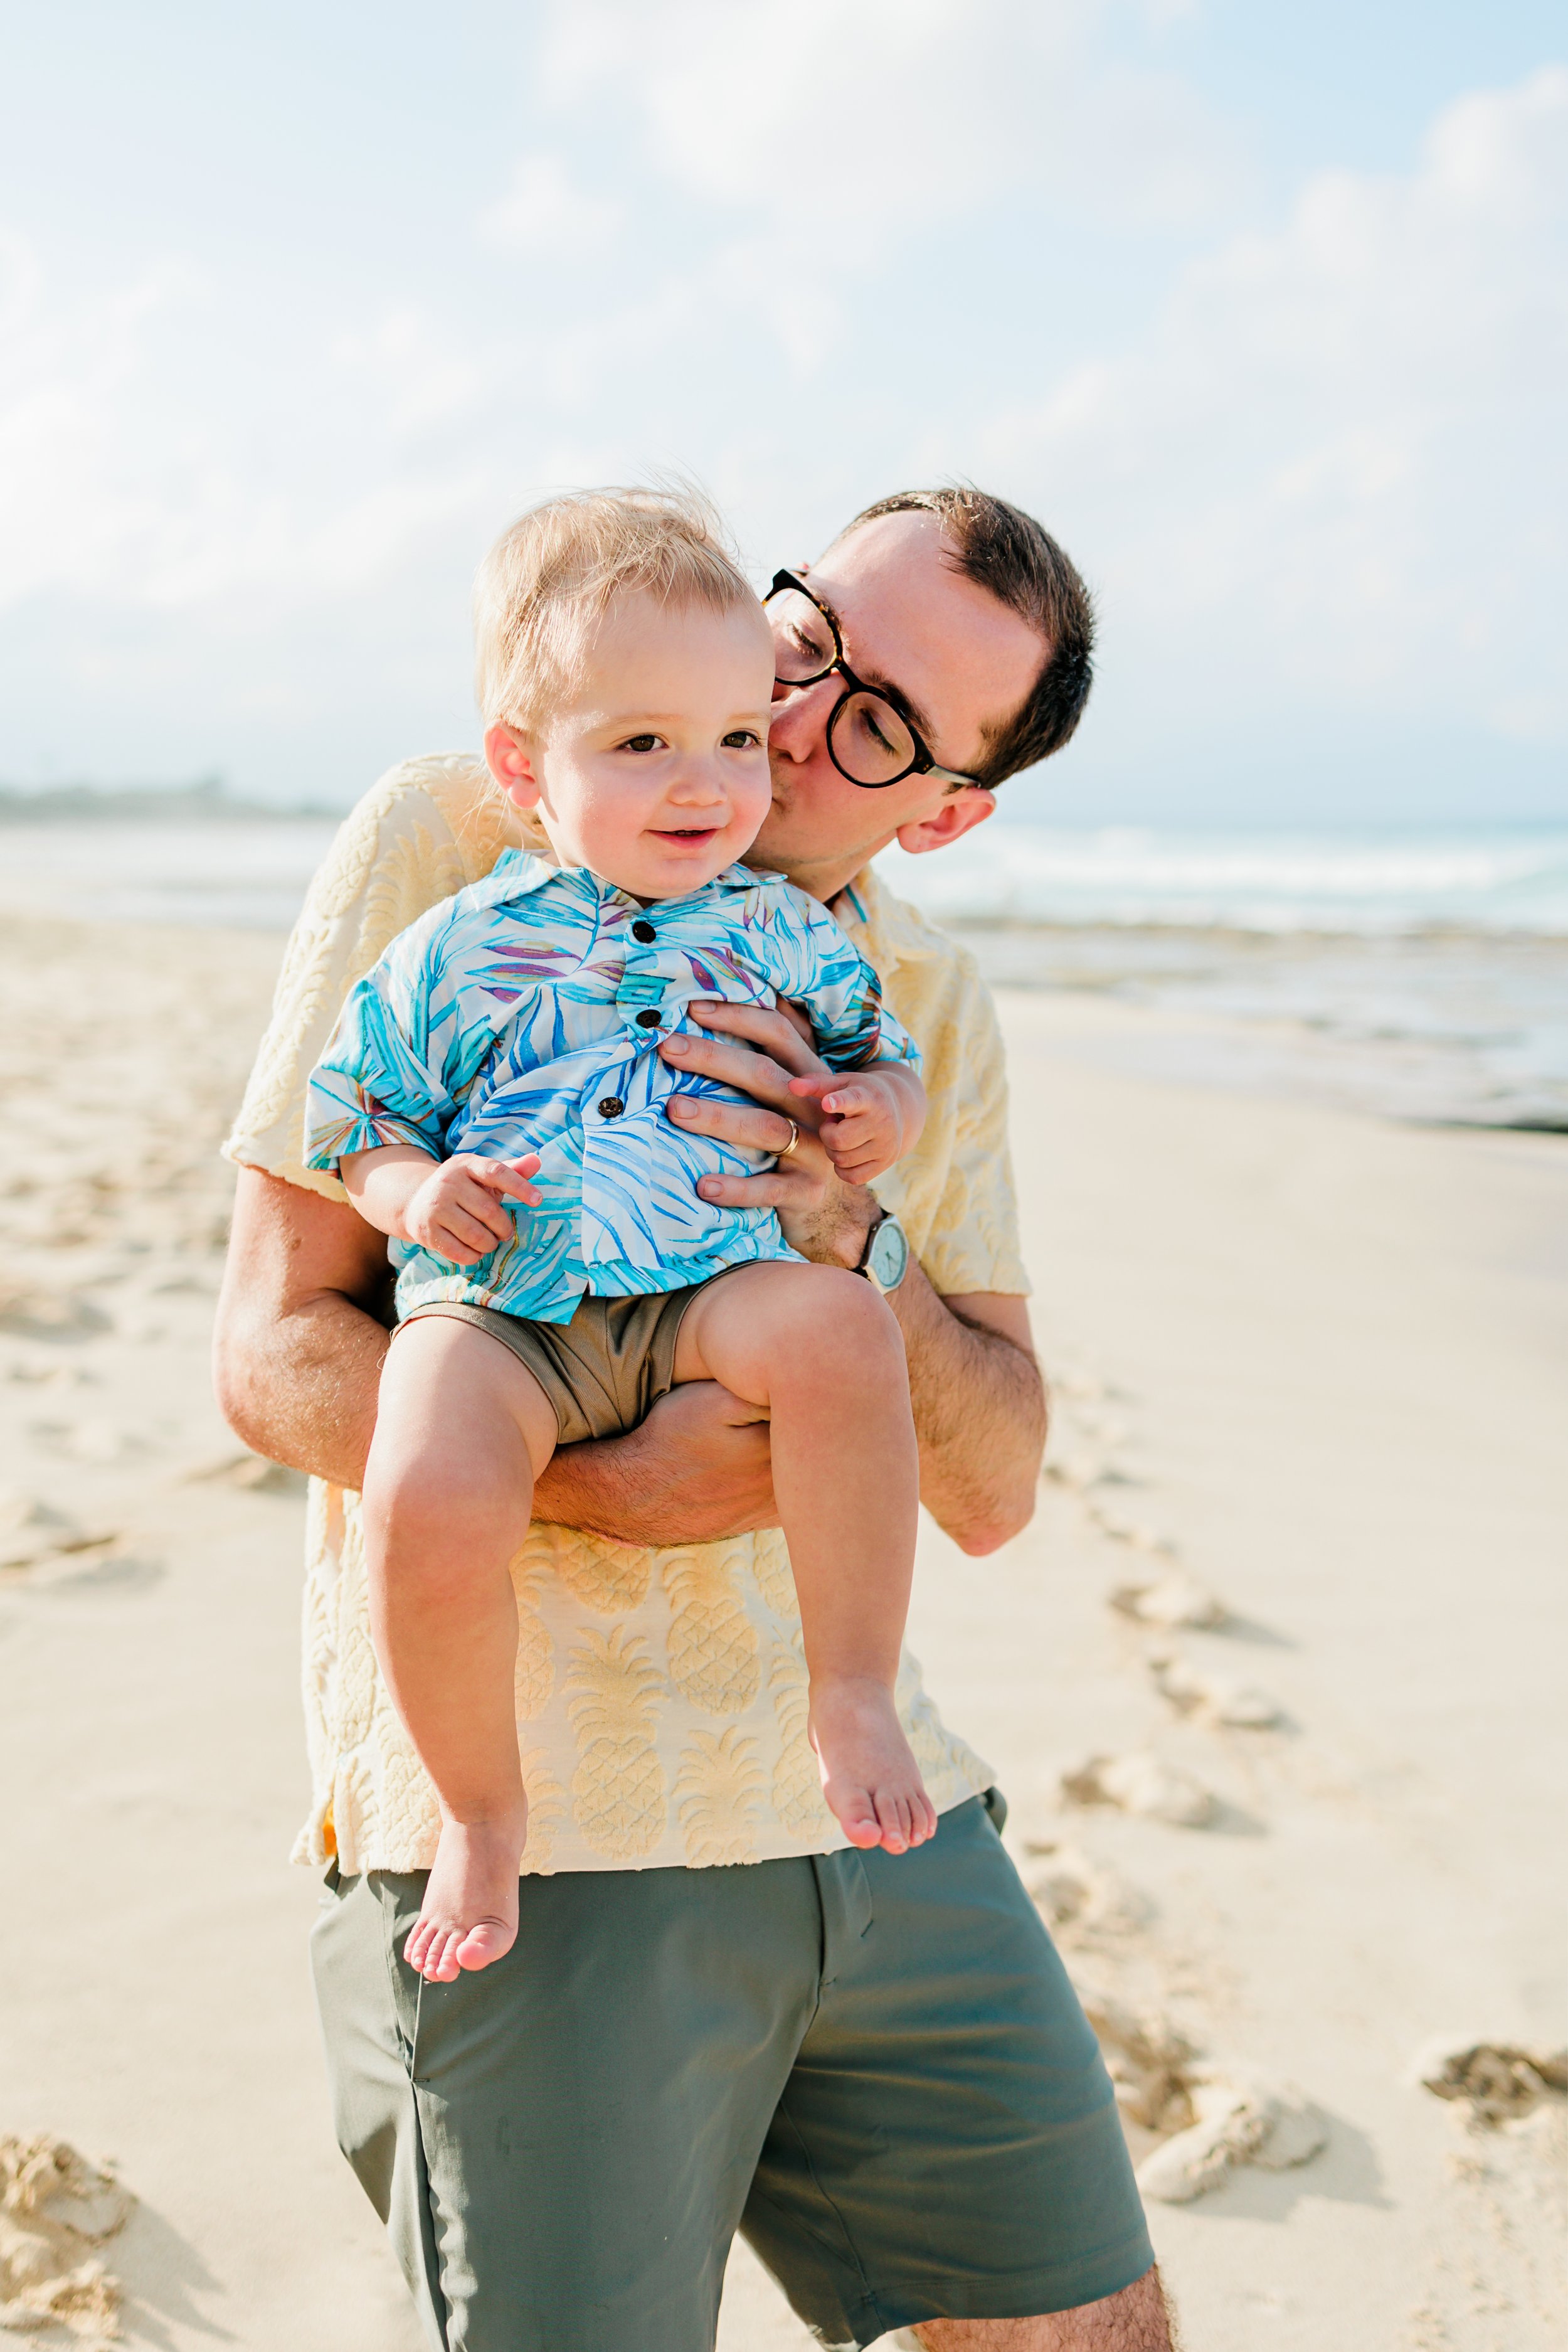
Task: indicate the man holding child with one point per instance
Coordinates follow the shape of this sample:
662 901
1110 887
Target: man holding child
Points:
869 2059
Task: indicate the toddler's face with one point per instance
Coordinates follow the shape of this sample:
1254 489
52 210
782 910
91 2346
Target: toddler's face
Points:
654 772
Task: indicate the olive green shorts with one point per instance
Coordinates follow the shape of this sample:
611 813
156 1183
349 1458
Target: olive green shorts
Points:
603 1371
874 2067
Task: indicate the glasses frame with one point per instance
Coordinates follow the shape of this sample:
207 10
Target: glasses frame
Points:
924 763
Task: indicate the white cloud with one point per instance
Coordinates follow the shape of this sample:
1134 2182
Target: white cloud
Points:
1335 463
1320 461
140 466
544 210
843 126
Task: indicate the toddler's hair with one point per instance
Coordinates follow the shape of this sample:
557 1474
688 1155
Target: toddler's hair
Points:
550 577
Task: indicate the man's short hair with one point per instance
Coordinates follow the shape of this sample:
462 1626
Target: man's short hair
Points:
552 575
1001 547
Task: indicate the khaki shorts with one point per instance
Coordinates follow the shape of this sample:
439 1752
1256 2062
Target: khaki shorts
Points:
873 2066
604 1372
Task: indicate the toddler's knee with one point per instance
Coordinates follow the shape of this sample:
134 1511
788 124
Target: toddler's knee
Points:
421 1513
842 1315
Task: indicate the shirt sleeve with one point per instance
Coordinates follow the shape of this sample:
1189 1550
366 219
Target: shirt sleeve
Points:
426 829
401 1056
970 1224
840 990
955 1192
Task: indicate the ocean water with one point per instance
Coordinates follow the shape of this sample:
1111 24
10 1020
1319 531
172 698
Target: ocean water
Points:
1423 976
1371 885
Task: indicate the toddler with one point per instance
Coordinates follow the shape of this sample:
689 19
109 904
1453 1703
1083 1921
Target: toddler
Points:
495 1101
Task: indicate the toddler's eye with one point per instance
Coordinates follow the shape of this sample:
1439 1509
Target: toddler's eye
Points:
742 739
641 743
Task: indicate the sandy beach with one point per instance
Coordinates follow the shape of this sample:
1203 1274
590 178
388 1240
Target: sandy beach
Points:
1273 1683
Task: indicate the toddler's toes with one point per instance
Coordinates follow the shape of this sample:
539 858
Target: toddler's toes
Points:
893 1816
441 1959
489 1940
418 1943
857 1815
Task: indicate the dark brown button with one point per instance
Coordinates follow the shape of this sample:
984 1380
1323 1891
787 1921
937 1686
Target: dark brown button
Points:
610 1106
649 1019
645 932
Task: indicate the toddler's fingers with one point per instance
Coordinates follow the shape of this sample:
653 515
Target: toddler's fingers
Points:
819 1083
852 1100
475 1201
464 1238
509 1175
862 1128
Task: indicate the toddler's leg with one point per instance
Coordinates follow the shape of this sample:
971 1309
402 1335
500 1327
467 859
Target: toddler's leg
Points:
463 1429
822 1350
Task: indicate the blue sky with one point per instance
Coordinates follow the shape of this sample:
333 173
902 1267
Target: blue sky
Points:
1264 310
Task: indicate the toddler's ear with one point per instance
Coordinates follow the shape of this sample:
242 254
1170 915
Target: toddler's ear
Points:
511 763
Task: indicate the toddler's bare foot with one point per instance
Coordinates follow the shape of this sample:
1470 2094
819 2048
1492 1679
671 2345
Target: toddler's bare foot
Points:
870 1779
469 1915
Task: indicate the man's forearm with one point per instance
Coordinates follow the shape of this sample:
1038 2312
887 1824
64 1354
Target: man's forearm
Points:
308 1394
296 1361
979 1414
698 1470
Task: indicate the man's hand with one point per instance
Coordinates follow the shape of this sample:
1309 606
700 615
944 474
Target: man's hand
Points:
975 1386
696 1470
869 1120
759 1052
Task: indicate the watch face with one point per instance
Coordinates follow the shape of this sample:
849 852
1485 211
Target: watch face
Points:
889 1255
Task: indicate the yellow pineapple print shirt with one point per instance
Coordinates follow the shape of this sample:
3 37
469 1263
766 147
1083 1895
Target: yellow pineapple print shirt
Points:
661 1695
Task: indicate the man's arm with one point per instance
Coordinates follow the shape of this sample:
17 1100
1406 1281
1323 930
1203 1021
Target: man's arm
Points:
975 1384
297 1349
297 1362
980 1407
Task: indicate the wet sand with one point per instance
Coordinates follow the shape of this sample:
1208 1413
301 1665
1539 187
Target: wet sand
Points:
1311 1387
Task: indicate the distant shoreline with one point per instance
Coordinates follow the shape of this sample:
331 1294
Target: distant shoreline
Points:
204 803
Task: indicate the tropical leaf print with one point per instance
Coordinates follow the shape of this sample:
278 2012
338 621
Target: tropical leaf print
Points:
509 1017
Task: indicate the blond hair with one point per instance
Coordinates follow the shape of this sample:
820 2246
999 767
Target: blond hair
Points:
552 575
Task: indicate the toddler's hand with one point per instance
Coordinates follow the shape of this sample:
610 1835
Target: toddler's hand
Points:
870 1118
459 1211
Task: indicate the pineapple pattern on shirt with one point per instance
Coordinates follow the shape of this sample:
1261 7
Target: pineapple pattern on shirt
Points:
717 1623
525 1014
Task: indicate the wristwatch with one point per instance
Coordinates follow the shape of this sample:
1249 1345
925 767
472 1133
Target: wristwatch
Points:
885 1259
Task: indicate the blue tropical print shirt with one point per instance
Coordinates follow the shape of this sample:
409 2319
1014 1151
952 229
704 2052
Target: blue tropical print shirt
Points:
526 1013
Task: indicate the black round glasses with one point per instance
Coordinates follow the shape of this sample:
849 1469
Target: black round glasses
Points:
869 739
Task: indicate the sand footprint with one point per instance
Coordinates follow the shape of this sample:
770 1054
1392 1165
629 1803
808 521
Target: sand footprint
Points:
1174 1599
55 2208
1141 1783
31 1312
1222 1699
251 1472
1239 2118
1210 2117
1081 1896
32 1530
1497 2081
96 1440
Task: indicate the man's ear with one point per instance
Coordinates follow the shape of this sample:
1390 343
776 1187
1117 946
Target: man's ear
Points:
958 813
511 761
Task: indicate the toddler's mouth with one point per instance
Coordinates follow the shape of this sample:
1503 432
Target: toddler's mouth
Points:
688 834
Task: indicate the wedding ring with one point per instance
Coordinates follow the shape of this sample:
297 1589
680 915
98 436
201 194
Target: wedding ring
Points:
794 1139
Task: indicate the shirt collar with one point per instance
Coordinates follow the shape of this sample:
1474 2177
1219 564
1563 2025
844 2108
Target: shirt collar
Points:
887 930
524 874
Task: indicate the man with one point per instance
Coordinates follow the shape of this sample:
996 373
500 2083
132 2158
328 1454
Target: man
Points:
874 2066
